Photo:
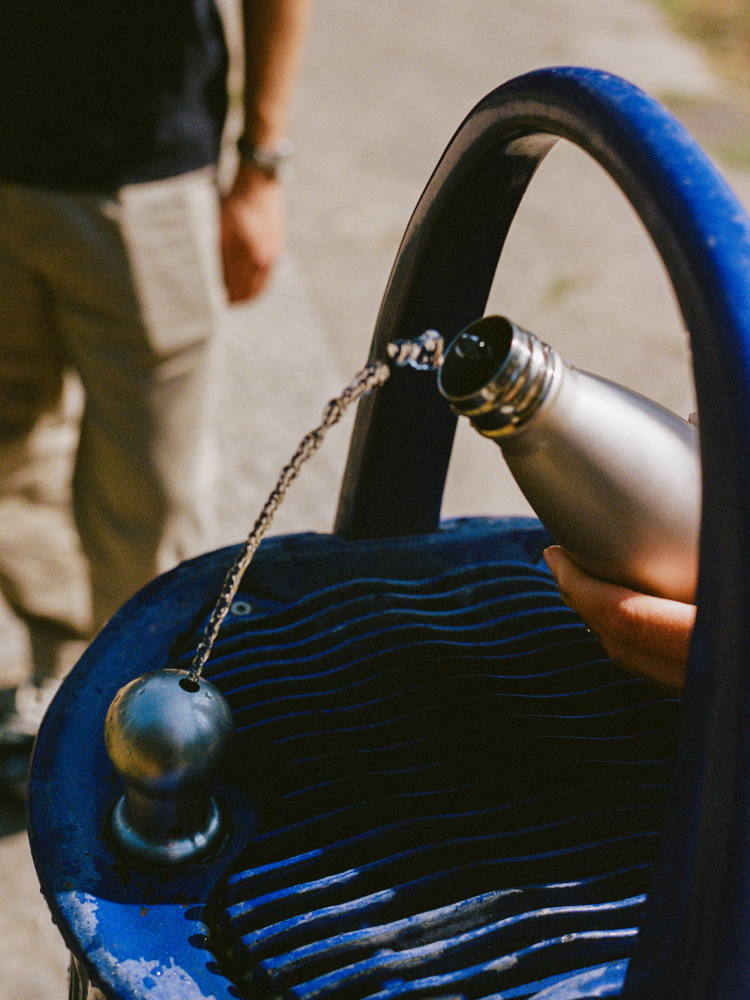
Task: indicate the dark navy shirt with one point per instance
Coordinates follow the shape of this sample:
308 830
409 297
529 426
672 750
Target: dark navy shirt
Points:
98 93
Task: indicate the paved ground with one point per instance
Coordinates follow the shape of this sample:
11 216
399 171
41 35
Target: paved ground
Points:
382 91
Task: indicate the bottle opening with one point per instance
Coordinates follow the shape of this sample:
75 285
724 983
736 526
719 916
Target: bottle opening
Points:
476 356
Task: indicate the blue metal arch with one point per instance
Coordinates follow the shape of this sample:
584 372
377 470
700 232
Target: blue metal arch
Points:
694 941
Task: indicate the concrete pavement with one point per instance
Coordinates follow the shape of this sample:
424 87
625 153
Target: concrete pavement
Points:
383 88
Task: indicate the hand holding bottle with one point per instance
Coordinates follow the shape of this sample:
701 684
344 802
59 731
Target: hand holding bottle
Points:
614 477
649 636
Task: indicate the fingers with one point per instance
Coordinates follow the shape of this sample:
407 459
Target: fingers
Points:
252 237
661 669
244 275
644 634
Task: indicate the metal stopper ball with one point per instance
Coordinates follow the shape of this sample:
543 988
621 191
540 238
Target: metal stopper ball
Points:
165 733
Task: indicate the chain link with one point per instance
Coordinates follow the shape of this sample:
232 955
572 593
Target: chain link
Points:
363 382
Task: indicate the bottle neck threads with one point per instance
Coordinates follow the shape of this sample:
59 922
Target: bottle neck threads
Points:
498 375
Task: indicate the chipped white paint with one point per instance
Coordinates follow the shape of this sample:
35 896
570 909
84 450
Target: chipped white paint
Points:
155 981
146 979
80 908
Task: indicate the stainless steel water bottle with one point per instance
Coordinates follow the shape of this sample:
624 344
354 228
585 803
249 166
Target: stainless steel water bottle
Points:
613 476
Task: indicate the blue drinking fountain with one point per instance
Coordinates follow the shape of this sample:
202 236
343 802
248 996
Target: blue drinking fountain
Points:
407 770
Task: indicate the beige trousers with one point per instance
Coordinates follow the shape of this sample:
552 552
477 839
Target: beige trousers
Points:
126 292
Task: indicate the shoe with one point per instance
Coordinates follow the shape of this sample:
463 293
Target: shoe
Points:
32 702
21 712
14 774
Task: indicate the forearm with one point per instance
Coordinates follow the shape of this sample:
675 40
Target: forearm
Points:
274 33
252 211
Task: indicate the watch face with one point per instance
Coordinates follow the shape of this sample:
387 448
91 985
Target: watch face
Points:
268 160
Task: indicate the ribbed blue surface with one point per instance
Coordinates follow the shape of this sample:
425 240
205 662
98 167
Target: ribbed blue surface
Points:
459 794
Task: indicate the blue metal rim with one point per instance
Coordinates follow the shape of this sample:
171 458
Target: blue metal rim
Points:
134 928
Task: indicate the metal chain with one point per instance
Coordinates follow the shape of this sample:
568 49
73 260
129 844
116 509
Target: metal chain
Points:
363 382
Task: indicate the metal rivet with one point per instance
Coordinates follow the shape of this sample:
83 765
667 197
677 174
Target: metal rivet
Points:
241 608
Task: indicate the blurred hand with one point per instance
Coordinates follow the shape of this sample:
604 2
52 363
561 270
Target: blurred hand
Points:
649 636
252 232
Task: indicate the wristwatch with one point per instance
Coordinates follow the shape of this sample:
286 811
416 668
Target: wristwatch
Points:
266 159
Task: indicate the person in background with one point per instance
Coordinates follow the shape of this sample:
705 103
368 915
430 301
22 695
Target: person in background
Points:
649 636
117 257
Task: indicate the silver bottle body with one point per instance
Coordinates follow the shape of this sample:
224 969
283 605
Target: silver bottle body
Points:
613 476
